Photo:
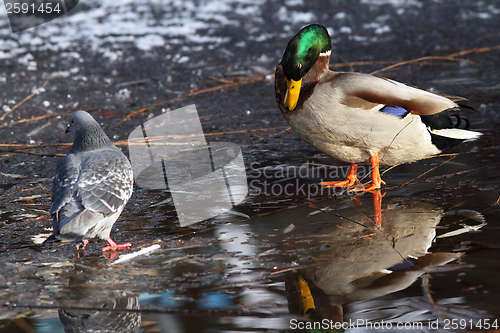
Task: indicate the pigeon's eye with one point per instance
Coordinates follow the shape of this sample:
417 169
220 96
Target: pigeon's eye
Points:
72 121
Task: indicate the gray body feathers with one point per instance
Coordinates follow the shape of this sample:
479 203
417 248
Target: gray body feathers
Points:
93 182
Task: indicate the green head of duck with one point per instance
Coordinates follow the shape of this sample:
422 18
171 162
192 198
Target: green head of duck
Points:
304 49
300 55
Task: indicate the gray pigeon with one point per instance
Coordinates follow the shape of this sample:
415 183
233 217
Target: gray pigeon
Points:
93 182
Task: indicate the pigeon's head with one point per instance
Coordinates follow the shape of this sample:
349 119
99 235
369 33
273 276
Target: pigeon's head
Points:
81 121
88 134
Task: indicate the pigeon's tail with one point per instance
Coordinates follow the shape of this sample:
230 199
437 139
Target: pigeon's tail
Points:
52 239
66 238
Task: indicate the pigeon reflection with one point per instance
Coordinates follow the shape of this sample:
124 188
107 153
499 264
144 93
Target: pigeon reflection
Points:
98 309
360 260
110 316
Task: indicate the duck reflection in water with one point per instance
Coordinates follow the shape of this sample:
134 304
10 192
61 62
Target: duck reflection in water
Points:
359 260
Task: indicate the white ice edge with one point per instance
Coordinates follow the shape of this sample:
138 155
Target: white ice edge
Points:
133 255
465 228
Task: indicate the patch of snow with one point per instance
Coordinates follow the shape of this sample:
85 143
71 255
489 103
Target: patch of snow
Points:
345 30
340 16
292 3
29 61
395 3
147 42
60 74
108 24
299 17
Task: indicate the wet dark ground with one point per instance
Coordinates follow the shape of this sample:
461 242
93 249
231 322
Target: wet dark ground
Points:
237 273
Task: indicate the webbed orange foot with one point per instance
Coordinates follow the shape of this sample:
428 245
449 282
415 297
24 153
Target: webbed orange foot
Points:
369 188
352 179
377 182
340 183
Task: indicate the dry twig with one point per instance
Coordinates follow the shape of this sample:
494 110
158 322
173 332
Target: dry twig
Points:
420 60
236 82
24 100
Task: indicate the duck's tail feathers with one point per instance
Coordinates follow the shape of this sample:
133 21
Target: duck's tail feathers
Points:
446 138
457 134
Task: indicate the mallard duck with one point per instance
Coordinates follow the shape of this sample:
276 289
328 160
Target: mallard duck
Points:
360 118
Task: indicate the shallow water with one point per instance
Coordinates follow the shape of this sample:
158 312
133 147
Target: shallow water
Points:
290 254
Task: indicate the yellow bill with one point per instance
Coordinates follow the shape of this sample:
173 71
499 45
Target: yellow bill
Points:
292 94
305 294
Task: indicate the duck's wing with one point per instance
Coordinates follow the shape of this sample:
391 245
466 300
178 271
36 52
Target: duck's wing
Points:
367 91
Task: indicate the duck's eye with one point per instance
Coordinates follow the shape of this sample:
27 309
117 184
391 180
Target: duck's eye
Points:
299 66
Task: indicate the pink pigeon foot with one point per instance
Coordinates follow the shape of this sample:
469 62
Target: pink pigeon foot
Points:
114 246
82 244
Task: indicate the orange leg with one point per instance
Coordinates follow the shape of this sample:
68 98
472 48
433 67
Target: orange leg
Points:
376 180
377 206
352 178
114 246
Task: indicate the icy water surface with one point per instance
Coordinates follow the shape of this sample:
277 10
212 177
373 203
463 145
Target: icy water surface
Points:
290 255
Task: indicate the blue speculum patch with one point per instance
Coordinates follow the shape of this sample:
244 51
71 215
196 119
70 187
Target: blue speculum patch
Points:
395 111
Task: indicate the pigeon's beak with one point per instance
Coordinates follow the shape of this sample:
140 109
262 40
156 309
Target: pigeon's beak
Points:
67 129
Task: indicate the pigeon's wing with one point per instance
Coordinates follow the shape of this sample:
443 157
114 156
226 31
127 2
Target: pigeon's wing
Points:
105 181
64 185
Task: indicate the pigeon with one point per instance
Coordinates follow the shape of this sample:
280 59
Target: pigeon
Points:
92 184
